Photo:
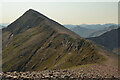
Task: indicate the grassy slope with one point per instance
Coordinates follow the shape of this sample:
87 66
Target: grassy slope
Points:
47 50
44 45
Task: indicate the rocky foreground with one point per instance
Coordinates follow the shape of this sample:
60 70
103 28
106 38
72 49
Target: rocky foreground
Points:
87 73
52 75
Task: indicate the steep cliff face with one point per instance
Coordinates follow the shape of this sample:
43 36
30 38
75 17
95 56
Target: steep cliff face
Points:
34 42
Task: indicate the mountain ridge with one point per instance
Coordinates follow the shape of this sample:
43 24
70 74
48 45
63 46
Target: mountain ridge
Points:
44 45
40 16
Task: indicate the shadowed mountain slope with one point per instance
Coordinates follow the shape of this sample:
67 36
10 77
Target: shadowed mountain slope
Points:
109 40
34 42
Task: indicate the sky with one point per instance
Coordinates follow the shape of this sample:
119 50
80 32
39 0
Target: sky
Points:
63 12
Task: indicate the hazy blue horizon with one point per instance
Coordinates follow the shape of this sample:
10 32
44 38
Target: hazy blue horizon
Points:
65 24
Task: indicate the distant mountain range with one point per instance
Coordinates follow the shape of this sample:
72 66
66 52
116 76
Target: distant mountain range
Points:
34 42
82 31
102 31
90 26
110 40
86 31
2 25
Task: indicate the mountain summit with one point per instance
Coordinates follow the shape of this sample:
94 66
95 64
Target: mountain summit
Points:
32 18
34 42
